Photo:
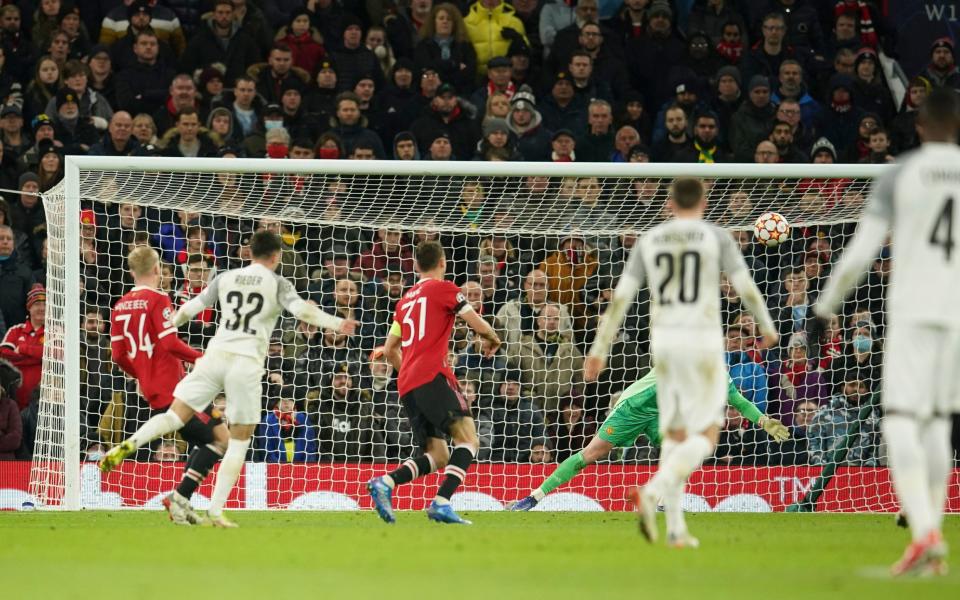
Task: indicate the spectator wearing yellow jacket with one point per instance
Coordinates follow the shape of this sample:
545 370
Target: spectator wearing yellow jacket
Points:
491 26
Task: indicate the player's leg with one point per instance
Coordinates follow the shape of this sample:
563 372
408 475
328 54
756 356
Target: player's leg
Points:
908 395
466 444
597 449
241 384
158 425
935 439
435 456
209 437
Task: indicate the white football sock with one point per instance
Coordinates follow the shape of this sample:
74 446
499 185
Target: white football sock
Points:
673 507
157 425
228 474
679 463
935 439
908 470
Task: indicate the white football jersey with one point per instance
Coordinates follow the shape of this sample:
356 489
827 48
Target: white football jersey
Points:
682 260
251 299
920 199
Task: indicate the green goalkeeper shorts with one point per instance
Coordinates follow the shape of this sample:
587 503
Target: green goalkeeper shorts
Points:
633 416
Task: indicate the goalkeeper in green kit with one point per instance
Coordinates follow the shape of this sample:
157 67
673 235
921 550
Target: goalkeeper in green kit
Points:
636 413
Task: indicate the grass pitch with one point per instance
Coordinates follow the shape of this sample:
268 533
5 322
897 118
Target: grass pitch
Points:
138 555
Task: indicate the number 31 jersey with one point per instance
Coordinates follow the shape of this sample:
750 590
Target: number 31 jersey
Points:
682 260
251 299
920 199
424 321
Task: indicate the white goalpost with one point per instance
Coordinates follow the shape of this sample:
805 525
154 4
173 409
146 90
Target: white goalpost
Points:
520 237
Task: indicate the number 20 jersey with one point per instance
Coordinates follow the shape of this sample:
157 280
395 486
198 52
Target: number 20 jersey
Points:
682 260
426 314
251 299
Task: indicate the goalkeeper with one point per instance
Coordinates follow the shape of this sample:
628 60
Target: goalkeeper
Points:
636 413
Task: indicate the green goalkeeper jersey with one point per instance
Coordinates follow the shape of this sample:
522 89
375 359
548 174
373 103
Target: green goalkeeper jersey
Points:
636 412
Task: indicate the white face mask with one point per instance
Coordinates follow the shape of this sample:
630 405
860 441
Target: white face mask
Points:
268 125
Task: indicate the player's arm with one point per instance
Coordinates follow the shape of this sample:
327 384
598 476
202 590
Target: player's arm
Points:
750 412
167 339
482 328
391 349
197 304
624 294
732 263
870 235
308 312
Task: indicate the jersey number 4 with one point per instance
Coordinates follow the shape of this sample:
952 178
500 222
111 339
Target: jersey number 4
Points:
686 267
942 234
242 310
145 344
416 330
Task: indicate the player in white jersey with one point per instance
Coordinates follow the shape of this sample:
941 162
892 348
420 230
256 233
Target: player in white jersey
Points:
251 299
918 198
682 259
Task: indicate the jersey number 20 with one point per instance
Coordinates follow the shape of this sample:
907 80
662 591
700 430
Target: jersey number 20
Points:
687 268
250 306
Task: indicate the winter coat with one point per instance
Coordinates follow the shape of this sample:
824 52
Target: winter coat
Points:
485 27
516 319
750 125
428 54
143 88
205 48
307 48
550 378
351 135
555 16
463 131
304 439
15 282
354 63
11 428
749 377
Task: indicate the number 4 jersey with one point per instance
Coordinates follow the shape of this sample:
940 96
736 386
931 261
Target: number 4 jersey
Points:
145 344
424 320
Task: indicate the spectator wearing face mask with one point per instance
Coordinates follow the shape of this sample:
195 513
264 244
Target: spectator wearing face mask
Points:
861 353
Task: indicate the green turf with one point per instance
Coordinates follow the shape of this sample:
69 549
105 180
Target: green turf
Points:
289 555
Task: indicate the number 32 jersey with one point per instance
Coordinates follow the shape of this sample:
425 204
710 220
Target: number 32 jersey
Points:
424 321
251 299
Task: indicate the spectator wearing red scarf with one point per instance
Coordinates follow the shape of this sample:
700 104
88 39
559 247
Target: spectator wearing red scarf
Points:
796 381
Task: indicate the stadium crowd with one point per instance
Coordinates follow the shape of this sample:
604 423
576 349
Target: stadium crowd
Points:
794 81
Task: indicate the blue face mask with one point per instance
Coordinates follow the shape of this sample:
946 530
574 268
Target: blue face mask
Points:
862 343
799 314
268 125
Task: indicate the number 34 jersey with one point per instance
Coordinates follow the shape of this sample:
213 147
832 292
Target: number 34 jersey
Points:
251 299
424 321
682 260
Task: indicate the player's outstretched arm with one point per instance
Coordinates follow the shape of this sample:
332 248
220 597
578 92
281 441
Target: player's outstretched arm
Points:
610 320
871 232
732 263
750 412
483 329
309 312
197 304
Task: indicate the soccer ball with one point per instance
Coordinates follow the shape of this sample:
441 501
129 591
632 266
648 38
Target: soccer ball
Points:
771 229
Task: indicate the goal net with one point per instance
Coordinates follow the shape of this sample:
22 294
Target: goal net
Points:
537 249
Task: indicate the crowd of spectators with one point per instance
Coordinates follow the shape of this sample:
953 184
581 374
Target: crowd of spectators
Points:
530 80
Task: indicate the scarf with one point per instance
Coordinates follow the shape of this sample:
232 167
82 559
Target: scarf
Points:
860 11
445 44
557 158
472 215
287 423
510 91
706 155
731 51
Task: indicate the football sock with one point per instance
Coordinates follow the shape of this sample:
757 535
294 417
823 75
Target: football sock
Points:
935 439
155 427
199 463
228 474
566 471
410 470
677 463
909 472
672 496
456 471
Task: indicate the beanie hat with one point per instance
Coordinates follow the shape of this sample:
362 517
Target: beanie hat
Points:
821 145
37 293
732 71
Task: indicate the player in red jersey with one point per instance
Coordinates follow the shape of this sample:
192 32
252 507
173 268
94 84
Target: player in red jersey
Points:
417 349
146 347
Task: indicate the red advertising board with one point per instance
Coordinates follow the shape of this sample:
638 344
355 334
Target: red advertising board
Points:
489 486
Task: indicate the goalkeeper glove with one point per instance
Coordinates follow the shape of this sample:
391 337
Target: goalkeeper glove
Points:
774 429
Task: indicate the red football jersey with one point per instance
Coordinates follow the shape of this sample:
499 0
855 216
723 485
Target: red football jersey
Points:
145 344
426 314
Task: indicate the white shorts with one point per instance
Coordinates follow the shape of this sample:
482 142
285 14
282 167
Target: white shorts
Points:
218 371
921 370
691 382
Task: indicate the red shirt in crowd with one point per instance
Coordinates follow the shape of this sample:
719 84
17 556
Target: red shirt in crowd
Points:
23 346
145 344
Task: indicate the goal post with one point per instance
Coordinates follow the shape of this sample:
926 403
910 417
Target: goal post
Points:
575 221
